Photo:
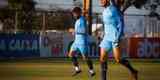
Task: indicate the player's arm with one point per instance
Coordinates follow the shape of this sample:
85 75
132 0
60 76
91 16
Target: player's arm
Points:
120 25
119 20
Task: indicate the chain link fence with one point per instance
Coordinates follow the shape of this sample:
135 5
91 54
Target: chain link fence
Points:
36 21
50 31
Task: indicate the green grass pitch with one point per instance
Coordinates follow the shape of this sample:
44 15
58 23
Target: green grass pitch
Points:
51 69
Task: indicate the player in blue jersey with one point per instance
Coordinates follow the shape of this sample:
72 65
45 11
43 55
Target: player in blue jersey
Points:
80 44
113 31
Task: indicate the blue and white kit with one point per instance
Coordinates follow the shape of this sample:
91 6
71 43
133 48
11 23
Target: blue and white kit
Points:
80 43
113 27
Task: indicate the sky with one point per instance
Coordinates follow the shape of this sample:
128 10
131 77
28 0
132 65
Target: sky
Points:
3 3
68 4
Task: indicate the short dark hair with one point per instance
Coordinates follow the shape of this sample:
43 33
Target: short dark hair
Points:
77 9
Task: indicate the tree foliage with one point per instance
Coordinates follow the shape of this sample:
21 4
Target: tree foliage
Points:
137 3
22 4
24 10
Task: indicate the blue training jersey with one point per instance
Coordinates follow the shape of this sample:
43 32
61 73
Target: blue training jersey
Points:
81 31
113 23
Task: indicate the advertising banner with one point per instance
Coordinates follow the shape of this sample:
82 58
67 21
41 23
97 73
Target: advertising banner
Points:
19 45
51 44
144 48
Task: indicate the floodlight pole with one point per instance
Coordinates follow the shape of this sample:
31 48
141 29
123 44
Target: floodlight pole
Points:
87 12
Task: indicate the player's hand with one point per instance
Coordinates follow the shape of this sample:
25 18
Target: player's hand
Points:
69 55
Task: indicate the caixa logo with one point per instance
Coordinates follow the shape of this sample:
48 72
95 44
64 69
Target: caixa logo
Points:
148 49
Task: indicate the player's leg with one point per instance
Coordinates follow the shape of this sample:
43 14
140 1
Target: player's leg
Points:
106 46
89 64
84 53
72 55
103 62
123 61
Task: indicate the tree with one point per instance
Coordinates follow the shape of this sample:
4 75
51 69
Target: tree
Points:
59 19
26 5
151 5
137 3
24 10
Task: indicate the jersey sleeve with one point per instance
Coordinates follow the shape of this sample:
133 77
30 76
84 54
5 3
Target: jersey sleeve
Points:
119 21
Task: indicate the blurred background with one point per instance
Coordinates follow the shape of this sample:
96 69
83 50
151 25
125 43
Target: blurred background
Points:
43 29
